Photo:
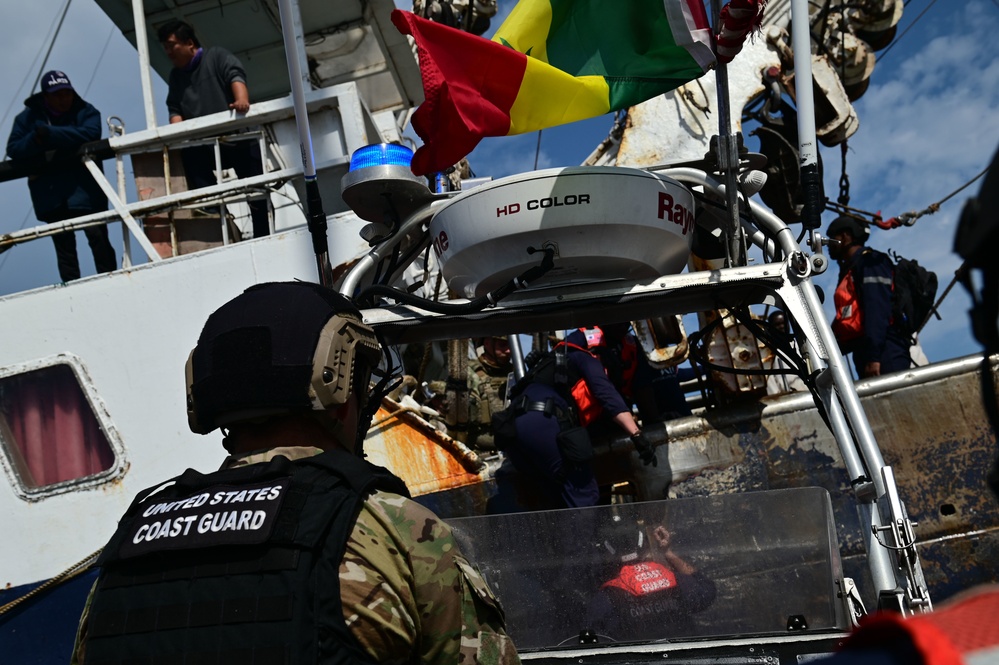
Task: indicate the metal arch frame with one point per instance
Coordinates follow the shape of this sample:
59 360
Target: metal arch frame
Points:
892 558
893 562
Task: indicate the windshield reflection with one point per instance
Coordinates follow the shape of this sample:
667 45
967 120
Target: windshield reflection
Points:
738 564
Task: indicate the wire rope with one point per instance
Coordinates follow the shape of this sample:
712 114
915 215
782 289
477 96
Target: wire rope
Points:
904 32
97 67
27 73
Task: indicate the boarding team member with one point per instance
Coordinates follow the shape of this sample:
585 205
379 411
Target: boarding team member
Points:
599 381
651 592
297 550
488 374
863 298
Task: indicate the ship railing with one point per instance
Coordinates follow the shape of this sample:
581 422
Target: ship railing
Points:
342 124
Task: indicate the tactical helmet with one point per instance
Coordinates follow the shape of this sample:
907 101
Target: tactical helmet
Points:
625 541
857 228
278 348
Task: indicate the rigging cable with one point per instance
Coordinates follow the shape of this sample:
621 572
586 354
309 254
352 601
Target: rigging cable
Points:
905 219
909 218
51 42
907 28
959 275
97 67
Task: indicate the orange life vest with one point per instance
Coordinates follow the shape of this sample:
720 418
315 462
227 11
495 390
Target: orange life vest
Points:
587 406
642 579
849 323
954 634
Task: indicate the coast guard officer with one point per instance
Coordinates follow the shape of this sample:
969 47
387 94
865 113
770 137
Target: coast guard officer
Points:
297 550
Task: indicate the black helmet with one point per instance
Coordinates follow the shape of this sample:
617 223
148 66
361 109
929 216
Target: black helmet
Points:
624 541
278 348
857 228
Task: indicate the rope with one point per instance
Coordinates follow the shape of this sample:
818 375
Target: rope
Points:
958 276
909 218
66 575
14 100
907 29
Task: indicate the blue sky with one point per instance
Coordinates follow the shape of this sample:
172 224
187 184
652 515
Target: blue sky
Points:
928 123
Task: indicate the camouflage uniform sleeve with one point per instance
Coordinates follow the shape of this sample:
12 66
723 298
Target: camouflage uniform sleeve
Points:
478 408
81 631
409 595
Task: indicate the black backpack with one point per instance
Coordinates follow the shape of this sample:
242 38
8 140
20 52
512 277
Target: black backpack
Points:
914 295
549 368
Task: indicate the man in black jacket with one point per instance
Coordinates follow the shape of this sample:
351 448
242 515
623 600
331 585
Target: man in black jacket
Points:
205 81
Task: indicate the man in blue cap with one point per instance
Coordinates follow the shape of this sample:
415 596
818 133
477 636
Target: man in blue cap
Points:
49 133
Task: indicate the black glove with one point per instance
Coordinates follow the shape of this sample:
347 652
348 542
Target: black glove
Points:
645 449
42 133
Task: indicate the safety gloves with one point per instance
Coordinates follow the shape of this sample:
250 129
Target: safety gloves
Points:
646 449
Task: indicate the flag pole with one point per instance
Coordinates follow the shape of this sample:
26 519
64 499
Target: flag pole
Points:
294 49
801 42
728 153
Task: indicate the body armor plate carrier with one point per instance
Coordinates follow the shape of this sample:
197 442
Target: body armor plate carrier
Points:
237 566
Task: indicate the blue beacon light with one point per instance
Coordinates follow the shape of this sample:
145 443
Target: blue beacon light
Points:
381 188
381 154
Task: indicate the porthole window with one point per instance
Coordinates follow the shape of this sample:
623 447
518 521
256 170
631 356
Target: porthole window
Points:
48 429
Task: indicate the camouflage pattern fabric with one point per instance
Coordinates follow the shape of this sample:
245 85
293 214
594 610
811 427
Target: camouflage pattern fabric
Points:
486 396
398 584
408 594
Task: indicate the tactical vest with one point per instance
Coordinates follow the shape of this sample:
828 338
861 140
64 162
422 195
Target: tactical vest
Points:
236 566
492 390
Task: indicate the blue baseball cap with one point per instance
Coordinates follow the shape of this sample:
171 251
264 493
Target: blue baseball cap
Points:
55 80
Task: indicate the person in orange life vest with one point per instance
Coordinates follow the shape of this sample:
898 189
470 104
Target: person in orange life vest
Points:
964 628
611 374
651 592
535 452
863 299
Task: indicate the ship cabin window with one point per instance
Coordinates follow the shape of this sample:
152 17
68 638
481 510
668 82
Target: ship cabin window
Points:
48 429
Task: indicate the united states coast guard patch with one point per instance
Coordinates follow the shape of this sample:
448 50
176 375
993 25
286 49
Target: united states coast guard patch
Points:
219 515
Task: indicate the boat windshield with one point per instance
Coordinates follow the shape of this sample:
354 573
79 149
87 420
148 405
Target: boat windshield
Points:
736 564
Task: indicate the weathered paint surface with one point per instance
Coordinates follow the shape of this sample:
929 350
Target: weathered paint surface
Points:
426 459
935 436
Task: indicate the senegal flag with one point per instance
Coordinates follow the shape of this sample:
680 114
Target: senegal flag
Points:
551 62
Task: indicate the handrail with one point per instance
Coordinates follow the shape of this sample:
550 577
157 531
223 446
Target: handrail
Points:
12 170
140 208
205 129
260 113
